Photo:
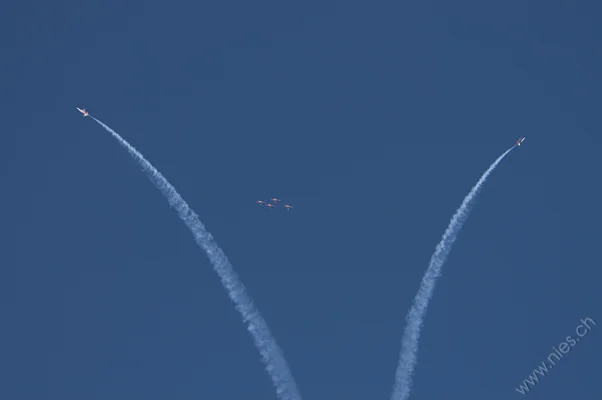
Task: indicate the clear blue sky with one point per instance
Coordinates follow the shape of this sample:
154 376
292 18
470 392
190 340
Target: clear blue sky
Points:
374 119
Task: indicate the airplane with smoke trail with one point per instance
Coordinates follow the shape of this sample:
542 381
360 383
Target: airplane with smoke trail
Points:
415 317
271 354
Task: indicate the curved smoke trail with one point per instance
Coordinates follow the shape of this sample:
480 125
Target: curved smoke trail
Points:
414 319
271 354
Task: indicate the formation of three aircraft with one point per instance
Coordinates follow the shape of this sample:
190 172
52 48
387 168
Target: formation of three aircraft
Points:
275 201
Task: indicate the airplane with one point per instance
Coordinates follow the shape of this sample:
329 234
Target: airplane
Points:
275 199
519 141
269 205
260 202
83 111
288 208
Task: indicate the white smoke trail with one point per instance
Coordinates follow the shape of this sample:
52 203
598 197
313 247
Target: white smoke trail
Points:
272 356
415 318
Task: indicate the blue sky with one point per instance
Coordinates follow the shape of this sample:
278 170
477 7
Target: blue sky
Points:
374 119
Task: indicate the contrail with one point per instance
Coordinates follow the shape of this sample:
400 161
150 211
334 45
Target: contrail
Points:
272 356
414 319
